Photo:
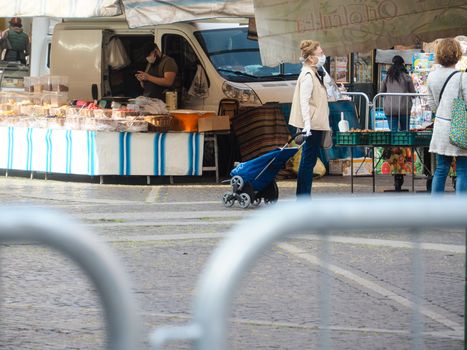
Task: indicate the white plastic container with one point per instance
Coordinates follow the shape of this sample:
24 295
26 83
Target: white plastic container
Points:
343 125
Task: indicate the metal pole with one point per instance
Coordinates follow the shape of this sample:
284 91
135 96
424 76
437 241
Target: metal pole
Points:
95 258
249 240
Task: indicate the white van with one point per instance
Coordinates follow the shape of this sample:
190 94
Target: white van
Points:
229 59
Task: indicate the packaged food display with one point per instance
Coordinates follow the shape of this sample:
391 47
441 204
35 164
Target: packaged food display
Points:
74 123
133 125
59 83
159 123
46 83
102 113
44 104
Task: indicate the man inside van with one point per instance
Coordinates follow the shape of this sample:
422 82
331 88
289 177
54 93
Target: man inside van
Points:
15 41
159 74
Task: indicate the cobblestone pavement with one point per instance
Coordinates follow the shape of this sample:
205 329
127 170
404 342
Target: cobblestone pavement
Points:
163 236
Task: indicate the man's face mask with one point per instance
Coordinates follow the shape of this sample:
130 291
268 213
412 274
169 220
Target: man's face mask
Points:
153 57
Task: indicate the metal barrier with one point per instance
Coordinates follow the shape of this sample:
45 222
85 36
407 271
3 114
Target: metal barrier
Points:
97 261
246 243
361 100
403 100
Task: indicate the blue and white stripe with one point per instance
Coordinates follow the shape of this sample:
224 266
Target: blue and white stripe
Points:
48 151
11 141
29 149
193 154
125 153
69 148
91 143
159 154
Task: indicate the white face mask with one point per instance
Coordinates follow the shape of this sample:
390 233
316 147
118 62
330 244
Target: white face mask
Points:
151 59
321 61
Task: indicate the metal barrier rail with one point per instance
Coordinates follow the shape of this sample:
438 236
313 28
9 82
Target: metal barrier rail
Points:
378 102
95 258
357 98
246 243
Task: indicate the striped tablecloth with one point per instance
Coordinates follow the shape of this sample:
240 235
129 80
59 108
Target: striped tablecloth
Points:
259 130
101 153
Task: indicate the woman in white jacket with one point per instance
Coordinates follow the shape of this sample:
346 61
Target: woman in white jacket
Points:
310 111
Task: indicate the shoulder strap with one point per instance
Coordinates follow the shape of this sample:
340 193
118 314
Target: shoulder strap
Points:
461 95
445 83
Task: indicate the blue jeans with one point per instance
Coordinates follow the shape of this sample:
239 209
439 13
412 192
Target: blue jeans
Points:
443 164
310 151
393 122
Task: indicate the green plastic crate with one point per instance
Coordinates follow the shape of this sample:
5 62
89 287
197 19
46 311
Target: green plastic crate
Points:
423 138
379 138
351 138
403 138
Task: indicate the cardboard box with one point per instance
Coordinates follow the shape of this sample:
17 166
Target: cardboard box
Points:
361 166
335 166
214 123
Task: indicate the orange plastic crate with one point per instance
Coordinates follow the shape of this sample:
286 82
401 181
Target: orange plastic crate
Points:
187 119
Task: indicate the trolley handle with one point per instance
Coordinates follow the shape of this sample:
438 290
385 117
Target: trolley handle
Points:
295 136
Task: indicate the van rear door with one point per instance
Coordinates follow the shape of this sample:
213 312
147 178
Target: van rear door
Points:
78 55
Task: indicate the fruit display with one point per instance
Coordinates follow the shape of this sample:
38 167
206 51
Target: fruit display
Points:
396 160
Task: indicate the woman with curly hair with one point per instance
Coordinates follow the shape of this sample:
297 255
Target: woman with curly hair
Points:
447 80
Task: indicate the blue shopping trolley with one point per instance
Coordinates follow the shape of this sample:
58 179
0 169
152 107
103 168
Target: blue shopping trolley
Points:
254 180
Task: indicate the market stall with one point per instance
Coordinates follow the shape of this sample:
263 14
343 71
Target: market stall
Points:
41 131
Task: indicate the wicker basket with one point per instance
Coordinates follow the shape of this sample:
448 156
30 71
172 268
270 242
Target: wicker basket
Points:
159 123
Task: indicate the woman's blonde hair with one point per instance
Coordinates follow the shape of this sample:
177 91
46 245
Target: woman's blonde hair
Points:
308 47
448 52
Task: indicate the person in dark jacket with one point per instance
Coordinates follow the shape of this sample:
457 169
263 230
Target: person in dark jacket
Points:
159 74
15 41
397 108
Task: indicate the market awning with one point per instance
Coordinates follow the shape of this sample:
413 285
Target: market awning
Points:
60 8
340 25
343 26
143 12
139 13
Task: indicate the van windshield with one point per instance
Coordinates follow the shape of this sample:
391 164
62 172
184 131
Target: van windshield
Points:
237 58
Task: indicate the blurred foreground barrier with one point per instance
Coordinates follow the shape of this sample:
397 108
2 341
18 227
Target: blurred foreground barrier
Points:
21 225
246 243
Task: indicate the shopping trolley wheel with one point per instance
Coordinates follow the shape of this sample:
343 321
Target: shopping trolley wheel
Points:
245 200
237 183
271 193
256 202
228 199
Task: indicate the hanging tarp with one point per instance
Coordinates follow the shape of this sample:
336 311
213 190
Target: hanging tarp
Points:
60 8
344 26
149 12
